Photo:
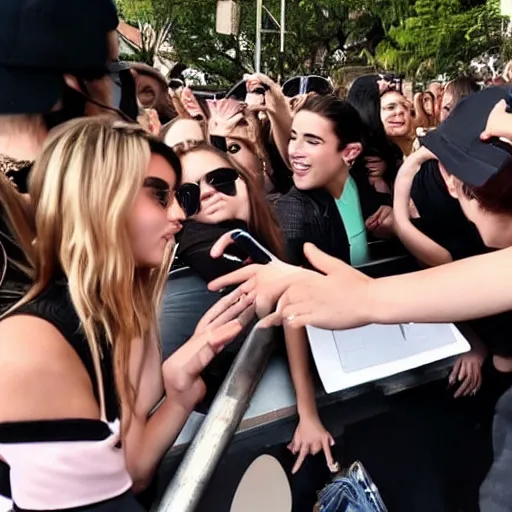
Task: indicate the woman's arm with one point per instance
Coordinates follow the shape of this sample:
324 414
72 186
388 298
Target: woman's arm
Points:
297 348
422 247
147 435
310 436
278 111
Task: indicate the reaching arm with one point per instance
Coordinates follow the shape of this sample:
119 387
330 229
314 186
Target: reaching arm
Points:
278 111
470 288
421 246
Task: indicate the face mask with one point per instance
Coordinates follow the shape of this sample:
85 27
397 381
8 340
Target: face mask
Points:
73 106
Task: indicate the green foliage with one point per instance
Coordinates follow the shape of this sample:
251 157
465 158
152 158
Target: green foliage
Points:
441 37
421 38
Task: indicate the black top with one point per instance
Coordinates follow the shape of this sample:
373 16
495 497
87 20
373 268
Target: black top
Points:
14 279
441 217
55 306
312 216
195 242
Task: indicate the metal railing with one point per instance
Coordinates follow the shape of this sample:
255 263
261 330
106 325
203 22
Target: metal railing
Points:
191 480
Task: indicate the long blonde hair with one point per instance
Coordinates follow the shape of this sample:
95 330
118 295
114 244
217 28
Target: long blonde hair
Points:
83 187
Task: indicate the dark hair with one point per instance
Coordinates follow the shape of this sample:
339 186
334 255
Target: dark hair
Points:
263 224
495 195
160 148
346 122
364 95
461 87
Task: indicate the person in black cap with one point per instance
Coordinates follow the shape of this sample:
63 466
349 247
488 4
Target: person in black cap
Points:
54 66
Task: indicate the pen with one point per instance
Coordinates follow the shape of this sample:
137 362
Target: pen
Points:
402 330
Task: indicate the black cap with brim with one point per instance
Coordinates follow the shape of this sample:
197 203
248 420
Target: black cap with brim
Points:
25 91
457 145
41 40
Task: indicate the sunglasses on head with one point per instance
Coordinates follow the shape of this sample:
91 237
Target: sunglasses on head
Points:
189 194
305 84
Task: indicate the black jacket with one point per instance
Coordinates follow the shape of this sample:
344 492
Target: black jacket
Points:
312 216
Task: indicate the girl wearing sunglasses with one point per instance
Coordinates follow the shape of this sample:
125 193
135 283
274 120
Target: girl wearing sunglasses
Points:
217 195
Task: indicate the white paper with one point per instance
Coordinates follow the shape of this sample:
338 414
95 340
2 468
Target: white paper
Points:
355 356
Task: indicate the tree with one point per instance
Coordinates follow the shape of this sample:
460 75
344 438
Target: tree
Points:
440 37
154 18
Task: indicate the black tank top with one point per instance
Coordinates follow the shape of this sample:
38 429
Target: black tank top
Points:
55 306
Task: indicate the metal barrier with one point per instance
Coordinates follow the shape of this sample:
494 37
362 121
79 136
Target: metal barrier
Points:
191 480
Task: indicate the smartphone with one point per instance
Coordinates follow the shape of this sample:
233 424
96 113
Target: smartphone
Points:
254 249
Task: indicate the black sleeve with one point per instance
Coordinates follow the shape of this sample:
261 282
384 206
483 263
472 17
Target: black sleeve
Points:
297 229
195 242
370 199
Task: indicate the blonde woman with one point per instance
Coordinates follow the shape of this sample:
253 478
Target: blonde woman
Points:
81 371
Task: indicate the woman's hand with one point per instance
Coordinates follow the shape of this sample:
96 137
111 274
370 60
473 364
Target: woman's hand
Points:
499 123
336 297
381 222
255 279
220 325
375 166
311 438
467 371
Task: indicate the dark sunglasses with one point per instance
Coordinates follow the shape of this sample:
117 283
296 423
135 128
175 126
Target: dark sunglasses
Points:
305 84
160 190
189 194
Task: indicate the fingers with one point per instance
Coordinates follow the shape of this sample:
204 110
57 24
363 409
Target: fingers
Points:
326 446
371 221
186 364
322 261
220 336
236 300
452 379
467 383
272 320
221 245
238 276
300 459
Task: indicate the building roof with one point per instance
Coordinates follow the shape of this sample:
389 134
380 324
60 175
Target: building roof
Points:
131 34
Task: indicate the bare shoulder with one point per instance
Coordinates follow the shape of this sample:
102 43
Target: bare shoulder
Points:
41 375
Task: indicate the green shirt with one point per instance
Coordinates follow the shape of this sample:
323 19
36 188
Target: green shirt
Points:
349 207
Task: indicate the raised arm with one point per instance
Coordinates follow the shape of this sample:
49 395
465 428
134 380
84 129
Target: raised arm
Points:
421 246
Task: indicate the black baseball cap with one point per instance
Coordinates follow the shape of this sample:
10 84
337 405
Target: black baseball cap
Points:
457 144
40 40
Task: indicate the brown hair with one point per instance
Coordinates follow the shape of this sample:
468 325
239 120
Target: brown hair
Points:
461 87
495 195
263 223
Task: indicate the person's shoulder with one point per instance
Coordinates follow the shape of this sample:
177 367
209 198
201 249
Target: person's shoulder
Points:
41 373
294 197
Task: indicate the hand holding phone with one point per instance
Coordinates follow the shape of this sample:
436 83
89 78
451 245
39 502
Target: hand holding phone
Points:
256 252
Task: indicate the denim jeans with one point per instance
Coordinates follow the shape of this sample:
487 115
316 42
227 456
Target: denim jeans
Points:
496 491
354 492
